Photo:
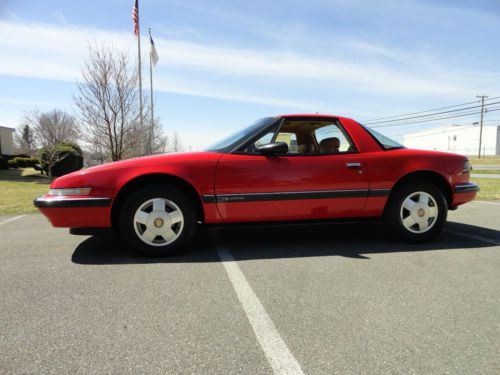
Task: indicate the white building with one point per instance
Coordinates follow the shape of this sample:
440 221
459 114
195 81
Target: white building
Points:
460 139
6 141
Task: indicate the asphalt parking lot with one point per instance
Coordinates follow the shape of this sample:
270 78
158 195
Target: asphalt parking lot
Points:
312 299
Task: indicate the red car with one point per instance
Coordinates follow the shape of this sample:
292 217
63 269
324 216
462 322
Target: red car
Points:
291 167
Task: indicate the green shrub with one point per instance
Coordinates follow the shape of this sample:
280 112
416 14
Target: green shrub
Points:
30 162
12 163
68 156
4 164
33 161
21 162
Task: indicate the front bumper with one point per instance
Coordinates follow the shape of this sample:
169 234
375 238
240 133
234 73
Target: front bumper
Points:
76 212
64 202
467 187
464 192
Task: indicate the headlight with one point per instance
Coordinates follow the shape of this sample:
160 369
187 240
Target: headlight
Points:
71 191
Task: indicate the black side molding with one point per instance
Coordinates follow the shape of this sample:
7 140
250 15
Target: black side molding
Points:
208 198
71 202
468 187
294 195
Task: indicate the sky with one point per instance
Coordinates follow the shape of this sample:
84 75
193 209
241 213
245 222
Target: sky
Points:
224 64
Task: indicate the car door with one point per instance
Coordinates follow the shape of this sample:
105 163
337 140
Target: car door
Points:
305 183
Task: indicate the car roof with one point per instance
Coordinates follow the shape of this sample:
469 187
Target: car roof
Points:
313 115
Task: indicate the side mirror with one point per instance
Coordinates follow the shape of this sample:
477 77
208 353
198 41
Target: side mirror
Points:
272 149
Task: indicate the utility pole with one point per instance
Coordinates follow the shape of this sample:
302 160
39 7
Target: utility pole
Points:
482 97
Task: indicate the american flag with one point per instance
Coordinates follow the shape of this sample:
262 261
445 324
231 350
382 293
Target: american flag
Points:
135 17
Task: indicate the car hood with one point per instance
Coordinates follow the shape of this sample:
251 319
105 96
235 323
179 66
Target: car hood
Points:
174 158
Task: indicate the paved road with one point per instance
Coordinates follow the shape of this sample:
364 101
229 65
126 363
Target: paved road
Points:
313 299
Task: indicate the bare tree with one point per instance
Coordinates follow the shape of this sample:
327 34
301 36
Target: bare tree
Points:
176 143
153 138
95 154
49 128
108 103
160 140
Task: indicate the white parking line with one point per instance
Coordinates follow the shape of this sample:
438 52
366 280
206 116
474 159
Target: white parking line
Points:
11 219
279 356
473 236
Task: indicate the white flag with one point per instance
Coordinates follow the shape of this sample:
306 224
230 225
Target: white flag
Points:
154 54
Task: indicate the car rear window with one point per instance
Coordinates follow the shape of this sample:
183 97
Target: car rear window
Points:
385 142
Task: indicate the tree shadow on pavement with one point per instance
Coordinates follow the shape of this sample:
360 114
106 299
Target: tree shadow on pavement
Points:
353 240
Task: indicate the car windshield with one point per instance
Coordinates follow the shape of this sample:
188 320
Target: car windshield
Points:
386 142
229 143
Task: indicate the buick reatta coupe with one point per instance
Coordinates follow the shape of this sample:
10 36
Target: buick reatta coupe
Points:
280 169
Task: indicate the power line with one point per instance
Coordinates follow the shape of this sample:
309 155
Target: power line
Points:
416 113
445 95
426 111
434 119
431 114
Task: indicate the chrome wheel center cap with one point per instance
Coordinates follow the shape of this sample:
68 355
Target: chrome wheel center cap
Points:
158 222
421 212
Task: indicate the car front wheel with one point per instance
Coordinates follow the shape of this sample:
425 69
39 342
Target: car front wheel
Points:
417 211
157 220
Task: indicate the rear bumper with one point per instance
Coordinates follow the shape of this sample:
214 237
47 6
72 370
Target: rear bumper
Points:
71 212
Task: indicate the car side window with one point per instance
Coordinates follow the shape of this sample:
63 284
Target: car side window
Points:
290 139
263 140
304 138
332 140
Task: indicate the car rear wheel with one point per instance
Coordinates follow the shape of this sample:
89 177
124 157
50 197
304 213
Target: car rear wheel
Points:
157 220
417 211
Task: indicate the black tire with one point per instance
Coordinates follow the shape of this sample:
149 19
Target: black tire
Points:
127 226
394 211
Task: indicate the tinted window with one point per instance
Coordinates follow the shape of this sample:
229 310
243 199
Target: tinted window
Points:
386 142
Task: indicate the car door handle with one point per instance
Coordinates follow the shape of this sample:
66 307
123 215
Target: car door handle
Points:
353 165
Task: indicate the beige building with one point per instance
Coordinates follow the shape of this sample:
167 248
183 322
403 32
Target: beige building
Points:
6 140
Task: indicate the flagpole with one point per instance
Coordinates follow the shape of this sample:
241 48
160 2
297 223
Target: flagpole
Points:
151 142
139 60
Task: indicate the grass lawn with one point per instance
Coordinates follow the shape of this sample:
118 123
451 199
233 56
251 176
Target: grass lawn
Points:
18 188
485 161
490 188
486 171
21 174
